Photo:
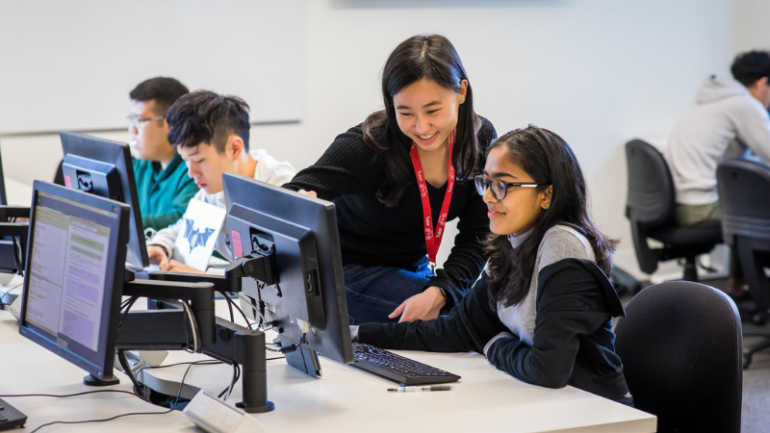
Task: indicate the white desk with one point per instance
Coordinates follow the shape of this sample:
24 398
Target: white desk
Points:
27 368
345 399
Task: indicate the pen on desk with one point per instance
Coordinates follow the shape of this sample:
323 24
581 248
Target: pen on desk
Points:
420 388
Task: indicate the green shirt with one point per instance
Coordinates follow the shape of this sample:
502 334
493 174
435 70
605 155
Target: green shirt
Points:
163 195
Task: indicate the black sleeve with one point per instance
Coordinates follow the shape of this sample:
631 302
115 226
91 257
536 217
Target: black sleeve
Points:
466 260
570 304
346 168
466 328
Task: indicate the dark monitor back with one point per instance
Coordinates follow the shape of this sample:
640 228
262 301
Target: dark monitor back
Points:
3 196
289 217
74 275
104 167
8 251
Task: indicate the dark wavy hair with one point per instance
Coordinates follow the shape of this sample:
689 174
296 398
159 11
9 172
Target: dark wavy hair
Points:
432 57
749 67
206 117
549 160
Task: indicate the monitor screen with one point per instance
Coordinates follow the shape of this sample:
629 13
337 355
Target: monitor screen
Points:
104 167
74 275
302 234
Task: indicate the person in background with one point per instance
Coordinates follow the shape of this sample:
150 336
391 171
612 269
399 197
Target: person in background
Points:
543 310
398 178
728 117
163 187
211 134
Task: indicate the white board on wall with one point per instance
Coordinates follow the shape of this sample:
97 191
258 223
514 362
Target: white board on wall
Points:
69 65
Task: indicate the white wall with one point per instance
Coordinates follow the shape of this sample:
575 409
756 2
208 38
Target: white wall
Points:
751 30
71 62
598 72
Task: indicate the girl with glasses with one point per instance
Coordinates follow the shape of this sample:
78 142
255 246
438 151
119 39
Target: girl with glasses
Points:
398 178
543 310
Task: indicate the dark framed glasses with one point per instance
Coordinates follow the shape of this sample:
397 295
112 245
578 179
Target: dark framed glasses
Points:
499 187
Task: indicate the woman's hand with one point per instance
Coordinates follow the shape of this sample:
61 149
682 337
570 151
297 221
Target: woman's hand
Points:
310 193
423 306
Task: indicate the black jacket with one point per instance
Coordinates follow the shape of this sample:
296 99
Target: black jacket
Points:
573 341
373 234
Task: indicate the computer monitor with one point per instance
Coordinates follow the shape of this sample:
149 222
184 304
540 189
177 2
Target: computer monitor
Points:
299 234
13 235
104 167
74 277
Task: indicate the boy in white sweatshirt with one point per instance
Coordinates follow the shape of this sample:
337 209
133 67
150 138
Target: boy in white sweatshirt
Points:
211 134
727 118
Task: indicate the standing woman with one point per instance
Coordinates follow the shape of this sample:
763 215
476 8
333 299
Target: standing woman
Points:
398 178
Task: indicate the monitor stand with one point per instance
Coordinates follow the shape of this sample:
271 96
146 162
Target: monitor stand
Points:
95 381
305 360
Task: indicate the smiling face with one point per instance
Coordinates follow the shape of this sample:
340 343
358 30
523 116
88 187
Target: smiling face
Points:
520 209
427 113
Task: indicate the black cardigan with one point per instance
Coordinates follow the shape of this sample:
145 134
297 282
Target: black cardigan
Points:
573 341
373 234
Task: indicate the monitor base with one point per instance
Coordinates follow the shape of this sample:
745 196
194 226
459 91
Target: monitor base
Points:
95 381
267 407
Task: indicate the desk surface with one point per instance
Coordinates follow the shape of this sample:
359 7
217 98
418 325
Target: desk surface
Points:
344 399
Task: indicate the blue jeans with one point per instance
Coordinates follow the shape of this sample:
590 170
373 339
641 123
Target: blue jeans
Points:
374 292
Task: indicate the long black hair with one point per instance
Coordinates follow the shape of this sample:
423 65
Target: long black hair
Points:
432 57
550 161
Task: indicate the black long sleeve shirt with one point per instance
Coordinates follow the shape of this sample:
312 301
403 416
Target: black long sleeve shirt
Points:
373 234
573 341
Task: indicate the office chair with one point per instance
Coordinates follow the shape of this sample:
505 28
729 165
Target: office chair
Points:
680 344
650 207
744 193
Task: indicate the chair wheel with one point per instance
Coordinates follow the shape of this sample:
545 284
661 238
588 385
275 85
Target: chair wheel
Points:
759 319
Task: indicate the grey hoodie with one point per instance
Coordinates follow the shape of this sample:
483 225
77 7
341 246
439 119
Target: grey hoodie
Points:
723 122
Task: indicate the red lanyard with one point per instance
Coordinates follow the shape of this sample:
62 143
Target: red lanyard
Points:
432 242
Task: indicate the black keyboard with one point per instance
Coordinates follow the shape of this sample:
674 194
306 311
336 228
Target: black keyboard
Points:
397 368
10 418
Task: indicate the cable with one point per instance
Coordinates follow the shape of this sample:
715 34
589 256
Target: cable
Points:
179 392
103 419
236 376
193 326
17 255
118 391
183 363
257 311
233 304
8 293
138 388
127 308
229 306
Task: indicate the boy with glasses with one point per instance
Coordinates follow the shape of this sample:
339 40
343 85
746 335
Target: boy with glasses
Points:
161 176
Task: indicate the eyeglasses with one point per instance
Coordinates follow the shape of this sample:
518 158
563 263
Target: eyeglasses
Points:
137 121
499 187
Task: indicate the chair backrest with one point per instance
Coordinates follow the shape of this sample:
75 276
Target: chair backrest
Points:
681 346
744 199
651 196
